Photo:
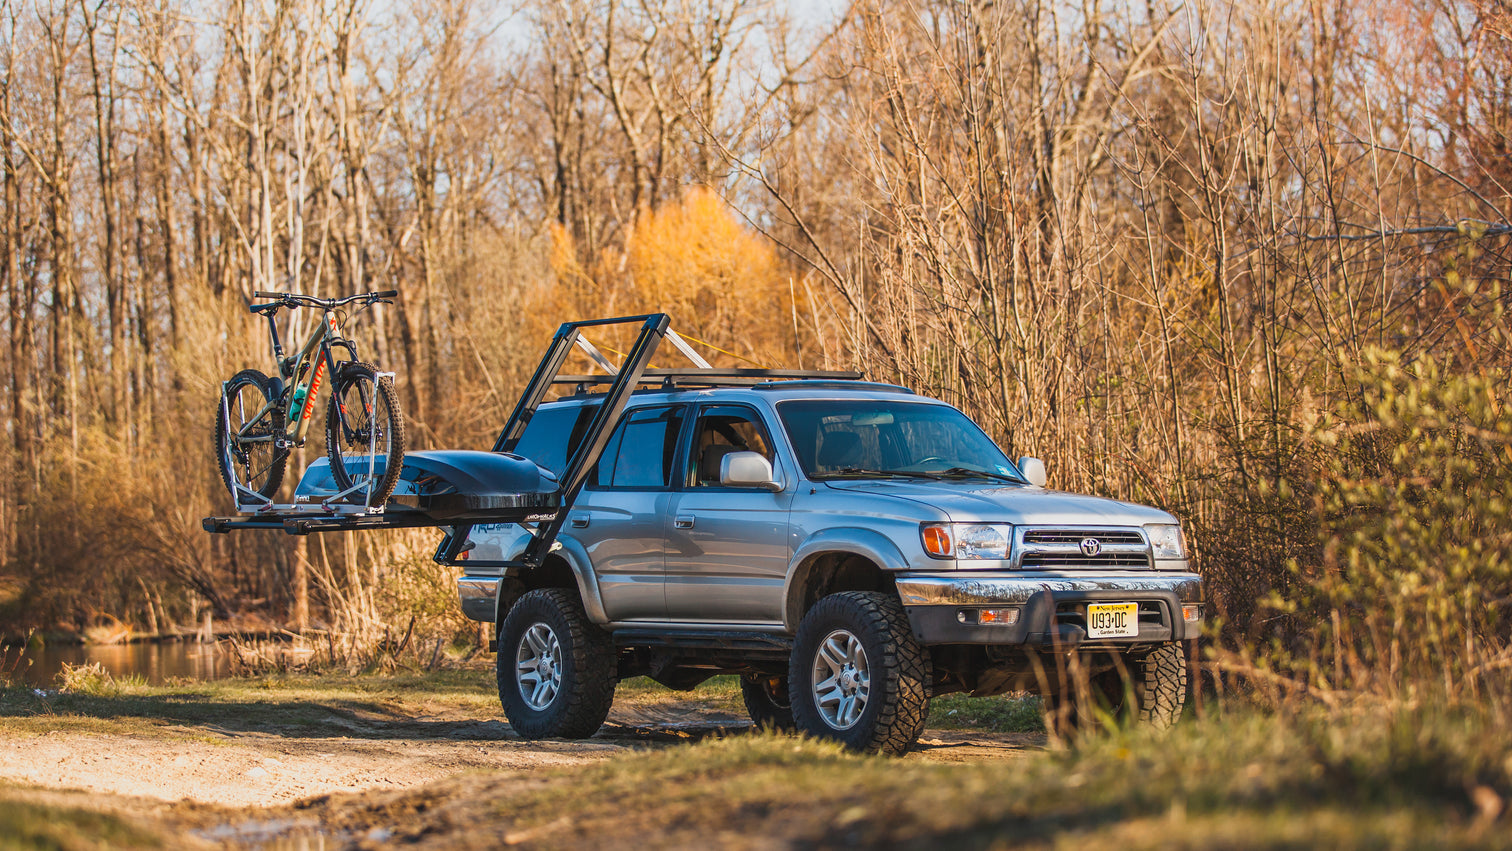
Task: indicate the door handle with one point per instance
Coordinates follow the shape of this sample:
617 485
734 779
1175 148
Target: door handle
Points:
580 522
683 521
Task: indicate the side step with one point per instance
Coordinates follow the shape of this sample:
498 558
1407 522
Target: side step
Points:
697 639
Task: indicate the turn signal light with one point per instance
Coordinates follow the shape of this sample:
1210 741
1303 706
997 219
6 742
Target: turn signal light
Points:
988 617
1191 613
937 541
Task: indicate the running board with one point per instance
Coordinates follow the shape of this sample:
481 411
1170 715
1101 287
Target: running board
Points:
698 639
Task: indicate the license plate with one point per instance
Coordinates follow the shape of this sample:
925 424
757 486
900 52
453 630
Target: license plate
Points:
1112 620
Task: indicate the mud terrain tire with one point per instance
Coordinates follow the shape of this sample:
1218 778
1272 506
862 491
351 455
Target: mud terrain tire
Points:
1149 691
556 669
766 698
873 677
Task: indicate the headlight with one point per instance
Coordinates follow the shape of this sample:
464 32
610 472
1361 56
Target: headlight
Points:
1166 541
967 540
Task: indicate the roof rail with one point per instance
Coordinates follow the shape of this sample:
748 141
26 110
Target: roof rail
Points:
714 377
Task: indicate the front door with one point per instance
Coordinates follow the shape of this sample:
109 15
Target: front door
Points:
727 549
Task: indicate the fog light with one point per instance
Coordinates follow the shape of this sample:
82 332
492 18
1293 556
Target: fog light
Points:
988 617
1191 613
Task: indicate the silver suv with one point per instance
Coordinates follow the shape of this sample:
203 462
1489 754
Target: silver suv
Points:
849 549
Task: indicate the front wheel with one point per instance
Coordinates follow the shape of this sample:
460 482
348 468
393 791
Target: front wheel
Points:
857 675
248 425
556 669
364 433
1148 689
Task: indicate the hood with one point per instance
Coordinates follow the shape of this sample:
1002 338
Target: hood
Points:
1017 504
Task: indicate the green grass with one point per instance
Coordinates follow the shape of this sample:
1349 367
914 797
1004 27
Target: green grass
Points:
292 704
29 826
996 714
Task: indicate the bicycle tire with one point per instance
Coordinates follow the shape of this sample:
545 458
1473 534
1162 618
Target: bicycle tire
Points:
353 444
249 465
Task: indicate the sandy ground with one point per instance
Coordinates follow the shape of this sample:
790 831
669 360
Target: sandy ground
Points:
235 768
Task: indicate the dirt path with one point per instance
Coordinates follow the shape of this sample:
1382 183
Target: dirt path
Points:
241 768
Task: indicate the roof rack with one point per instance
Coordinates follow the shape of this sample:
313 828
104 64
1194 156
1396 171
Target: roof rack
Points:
713 377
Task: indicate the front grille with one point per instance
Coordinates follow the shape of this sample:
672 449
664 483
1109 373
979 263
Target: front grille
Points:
1053 548
1078 560
1075 536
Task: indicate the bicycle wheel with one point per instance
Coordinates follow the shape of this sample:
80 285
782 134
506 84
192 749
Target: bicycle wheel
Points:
364 433
244 435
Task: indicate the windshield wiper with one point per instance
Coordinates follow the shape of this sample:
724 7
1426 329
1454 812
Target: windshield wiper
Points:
865 473
968 472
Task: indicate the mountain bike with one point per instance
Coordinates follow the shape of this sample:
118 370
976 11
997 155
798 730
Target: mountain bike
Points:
262 418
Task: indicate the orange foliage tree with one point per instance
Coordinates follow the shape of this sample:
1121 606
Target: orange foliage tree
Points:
725 286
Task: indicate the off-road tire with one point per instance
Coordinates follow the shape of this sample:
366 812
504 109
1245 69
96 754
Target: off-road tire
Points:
275 471
1149 690
588 667
1160 687
768 702
898 668
352 374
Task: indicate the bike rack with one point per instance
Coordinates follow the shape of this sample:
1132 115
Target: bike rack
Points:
248 501
255 511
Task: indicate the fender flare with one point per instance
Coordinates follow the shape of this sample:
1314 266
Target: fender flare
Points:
570 550
852 540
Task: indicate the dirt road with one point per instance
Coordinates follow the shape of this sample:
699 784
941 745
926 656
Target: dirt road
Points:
235 767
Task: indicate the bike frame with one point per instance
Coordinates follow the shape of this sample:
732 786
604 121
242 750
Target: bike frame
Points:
316 353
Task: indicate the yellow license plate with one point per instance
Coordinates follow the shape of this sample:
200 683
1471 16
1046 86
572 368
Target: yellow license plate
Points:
1112 620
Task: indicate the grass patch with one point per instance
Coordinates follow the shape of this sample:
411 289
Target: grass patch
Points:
27 826
1007 714
290 704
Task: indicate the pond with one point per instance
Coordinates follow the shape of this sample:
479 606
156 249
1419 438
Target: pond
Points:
157 662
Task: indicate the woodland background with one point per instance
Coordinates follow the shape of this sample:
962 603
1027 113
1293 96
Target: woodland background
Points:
1242 259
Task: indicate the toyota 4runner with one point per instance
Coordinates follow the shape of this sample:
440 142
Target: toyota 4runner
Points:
848 548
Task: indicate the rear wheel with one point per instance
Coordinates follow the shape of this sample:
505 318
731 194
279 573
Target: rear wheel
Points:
364 433
556 669
245 432
857 675
767 699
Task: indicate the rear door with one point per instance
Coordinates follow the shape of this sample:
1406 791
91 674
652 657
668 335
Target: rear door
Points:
622 513
727 549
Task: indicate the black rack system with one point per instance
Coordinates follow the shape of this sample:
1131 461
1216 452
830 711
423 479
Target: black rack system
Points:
547 509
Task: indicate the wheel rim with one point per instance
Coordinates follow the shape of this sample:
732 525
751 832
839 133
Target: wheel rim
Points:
538 666
841 680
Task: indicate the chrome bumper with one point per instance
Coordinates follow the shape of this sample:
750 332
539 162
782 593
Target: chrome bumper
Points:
964 588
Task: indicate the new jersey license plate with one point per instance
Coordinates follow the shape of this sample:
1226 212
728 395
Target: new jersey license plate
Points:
1112 620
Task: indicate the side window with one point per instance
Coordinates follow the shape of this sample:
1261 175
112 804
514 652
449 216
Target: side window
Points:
642 452
553 434
723 429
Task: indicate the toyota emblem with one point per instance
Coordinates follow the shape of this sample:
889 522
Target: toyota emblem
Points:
1090 547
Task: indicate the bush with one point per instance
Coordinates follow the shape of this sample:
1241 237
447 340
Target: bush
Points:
1415 577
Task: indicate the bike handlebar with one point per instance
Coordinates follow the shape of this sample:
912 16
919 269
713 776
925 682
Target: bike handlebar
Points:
297 300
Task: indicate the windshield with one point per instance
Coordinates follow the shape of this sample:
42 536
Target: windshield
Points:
874 438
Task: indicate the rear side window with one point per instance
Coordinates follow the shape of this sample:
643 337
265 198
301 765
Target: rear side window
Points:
553 434
643 451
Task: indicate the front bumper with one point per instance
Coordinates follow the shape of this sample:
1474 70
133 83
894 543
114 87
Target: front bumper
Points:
1051 606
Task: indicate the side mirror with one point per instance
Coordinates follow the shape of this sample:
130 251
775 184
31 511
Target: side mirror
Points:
747 470
1033 470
